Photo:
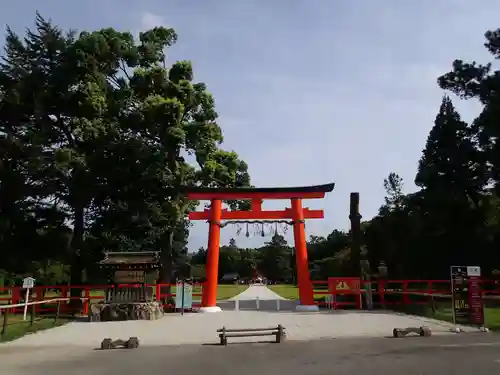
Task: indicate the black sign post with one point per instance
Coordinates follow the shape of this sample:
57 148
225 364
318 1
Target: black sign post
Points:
459 295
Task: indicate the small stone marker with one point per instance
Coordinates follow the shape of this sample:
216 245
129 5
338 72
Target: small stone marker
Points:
403 332
131 343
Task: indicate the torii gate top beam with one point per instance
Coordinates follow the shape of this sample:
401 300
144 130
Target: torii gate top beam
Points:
248 193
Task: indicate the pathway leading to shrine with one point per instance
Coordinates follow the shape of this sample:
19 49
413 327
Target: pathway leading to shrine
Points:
254 292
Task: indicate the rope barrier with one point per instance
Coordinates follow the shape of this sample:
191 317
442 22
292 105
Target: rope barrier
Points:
36 302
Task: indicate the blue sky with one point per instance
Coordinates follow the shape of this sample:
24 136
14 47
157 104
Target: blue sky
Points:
351 84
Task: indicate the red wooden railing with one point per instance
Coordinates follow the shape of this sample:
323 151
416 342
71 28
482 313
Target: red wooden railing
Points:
399 292
385 293
88 295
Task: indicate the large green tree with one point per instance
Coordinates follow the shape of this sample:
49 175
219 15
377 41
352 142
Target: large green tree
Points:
470 80
451 164
98 126
54 110
175 117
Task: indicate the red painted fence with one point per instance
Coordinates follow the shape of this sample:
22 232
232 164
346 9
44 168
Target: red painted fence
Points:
388 293
385 293
89 294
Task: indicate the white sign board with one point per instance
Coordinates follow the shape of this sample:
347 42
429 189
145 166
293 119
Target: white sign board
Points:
473 271
28 283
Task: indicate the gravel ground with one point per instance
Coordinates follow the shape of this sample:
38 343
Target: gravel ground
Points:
201 328
195 328
359 345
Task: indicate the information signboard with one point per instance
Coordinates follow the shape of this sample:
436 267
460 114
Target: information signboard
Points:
476 305
467 303
459 295
184 296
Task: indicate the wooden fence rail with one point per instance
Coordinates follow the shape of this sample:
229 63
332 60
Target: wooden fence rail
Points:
10 309
385 293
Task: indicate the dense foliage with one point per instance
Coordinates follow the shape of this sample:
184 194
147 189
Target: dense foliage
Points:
97 135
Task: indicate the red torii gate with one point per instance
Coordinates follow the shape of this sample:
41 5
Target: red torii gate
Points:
296 213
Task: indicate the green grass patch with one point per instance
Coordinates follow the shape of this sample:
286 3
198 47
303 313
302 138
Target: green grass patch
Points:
491 316
285 290
292 291
16 327
230 290
439 307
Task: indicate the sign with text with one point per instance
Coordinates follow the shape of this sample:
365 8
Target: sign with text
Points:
28 283
476 305
459 295
466 295
184 296
344 285
339 287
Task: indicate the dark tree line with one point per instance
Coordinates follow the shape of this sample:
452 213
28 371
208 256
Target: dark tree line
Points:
276 259
96 134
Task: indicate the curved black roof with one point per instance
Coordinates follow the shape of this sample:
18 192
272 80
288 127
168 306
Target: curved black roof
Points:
326 188
131 257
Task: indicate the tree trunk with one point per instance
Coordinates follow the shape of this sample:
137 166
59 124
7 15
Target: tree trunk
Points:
167 243
76 265
166 257
165 275
356 248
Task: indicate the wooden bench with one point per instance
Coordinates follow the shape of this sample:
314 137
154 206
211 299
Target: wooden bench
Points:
278 331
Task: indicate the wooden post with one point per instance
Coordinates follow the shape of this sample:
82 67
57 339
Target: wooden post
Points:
356 251
86 302
32 315
16 297
157 292
58 310
4 322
